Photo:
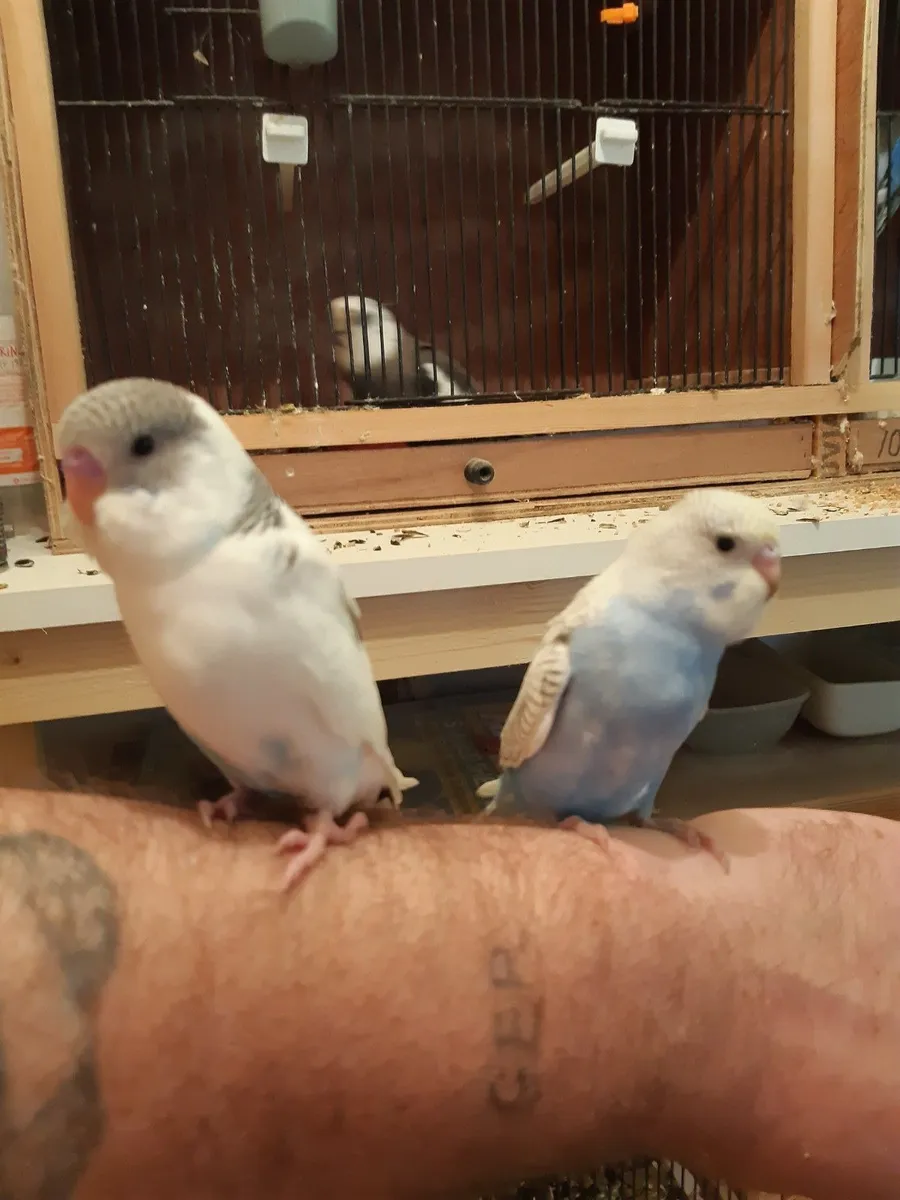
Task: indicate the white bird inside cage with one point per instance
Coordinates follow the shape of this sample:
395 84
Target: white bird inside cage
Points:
382 360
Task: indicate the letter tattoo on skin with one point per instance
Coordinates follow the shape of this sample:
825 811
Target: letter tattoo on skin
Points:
515 1030
58 947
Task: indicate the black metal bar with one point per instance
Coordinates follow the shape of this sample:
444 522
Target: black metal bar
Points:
251 256
436 49
392 216
412 258
626 265
686 166
538 42
426 223
588 42
726 199
712 243
478 207
770 201
462 204
527 137
176 253
757 155
786 130
234 343
496 193
504 38
165 290
129 161
698 190
560 205
130 324
575 147
654 213
610 335
639 210
376 266
742 150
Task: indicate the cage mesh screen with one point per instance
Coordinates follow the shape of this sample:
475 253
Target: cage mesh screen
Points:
885 362
426 133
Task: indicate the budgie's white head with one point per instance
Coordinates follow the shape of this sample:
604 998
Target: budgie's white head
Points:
349 316
718 547
154 477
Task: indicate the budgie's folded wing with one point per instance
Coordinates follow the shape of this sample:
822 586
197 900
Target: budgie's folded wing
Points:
531 717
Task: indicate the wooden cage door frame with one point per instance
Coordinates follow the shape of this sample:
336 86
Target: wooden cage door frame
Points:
40 252
812 221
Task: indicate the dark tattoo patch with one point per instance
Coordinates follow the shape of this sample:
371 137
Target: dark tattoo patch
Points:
263 509
516 1029
58 948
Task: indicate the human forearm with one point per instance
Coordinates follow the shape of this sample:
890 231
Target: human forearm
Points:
439 1008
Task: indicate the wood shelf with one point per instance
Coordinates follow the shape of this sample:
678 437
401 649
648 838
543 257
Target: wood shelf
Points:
807 768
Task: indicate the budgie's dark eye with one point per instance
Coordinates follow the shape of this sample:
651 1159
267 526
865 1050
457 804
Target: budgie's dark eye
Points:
725 543
143 445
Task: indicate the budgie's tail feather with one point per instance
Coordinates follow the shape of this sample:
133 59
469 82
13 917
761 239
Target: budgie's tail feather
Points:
488 790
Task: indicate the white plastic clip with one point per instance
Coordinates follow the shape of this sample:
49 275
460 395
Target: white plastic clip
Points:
285 140
615 140
614 144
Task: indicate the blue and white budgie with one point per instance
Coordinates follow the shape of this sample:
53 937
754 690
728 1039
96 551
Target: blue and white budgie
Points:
234 608
625 672
887 185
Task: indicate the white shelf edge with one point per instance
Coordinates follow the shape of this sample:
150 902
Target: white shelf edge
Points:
55 592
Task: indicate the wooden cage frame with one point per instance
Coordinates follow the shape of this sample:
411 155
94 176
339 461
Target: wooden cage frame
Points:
412 459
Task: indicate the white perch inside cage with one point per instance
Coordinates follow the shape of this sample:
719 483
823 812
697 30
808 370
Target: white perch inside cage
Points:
285 140
615 140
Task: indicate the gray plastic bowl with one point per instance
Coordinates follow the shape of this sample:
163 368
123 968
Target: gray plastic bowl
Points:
757 698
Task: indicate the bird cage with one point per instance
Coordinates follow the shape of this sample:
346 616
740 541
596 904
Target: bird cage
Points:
486 252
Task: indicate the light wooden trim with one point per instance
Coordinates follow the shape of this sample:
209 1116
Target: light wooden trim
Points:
858 365
323 428
812 222
89 669
851 59
36 148
36 224
874 445
21 763
403 476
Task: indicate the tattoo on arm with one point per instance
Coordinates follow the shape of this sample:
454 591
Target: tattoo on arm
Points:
516 1029
58 946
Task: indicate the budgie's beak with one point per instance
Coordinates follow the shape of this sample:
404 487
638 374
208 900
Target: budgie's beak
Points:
85 482
768 562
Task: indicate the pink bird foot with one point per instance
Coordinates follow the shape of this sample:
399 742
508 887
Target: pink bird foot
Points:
228 807
685 832
598 834
309 844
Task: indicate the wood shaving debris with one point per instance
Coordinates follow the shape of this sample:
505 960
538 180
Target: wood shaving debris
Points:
200 57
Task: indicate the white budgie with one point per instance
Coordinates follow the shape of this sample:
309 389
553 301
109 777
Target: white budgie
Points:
625 672
234 607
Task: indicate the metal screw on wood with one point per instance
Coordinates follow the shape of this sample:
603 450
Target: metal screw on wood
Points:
479 470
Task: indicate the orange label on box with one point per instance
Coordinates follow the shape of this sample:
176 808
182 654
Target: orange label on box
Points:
18 453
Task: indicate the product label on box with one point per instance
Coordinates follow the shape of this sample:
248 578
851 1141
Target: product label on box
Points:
18 453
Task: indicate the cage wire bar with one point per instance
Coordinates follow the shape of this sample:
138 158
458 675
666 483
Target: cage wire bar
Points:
885 345
425 134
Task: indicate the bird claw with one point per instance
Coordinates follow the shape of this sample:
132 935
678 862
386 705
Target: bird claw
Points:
687 833
228 807
308 845
598 834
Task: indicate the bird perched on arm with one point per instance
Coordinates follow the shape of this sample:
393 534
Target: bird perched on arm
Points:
625 672
234 607
383 361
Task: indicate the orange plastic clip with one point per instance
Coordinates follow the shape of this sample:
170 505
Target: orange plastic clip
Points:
625 14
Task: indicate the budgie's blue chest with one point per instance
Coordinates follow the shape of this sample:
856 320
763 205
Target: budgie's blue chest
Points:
640 681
